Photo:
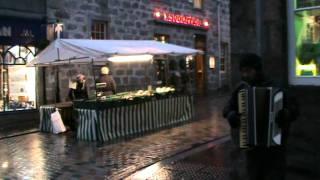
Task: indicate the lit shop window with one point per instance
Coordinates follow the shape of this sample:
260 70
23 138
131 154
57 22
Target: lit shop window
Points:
99 30
160 63
307 34
198 4
162 38
17 81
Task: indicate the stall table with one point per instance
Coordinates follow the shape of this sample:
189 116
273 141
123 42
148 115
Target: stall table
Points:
109 120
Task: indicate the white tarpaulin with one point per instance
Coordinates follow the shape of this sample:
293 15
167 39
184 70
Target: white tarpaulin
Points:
86 50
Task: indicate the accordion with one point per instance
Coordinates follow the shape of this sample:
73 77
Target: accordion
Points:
258 107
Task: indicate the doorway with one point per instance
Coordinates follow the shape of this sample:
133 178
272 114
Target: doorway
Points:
200 44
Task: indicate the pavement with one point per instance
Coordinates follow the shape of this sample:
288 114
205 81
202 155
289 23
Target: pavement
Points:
200 149
212 160
48 156
221 159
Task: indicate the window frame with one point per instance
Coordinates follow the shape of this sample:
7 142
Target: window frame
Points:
95 33
293 79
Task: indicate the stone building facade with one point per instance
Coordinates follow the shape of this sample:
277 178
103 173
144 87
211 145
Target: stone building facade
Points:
261 32
134 20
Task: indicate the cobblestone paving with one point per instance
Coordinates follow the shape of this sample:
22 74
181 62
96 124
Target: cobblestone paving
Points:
303 154
47 156
217 162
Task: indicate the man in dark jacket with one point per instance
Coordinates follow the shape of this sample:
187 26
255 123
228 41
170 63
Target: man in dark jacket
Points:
108 83
80 89
262 163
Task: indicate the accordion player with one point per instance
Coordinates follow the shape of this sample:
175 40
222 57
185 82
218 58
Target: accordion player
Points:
258 107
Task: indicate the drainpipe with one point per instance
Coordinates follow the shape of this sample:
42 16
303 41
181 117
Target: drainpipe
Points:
258 26
219 42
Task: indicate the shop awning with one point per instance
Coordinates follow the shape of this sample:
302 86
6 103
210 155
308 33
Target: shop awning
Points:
63 51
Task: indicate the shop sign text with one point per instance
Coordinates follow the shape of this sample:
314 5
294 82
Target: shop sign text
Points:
180 19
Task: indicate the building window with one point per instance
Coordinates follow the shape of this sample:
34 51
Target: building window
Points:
17 81
198 4
224 56
99 30
161 37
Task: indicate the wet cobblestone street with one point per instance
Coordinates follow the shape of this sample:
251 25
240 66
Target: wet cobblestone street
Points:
207 162
48 156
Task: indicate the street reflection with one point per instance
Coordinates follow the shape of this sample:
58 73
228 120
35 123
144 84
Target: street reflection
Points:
5 165
144 174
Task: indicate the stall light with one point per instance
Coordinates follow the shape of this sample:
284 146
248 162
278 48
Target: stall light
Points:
212 62
133 58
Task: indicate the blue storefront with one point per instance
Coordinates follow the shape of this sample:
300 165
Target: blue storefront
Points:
20 38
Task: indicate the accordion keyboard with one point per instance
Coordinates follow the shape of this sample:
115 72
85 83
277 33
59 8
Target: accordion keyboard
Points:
243 110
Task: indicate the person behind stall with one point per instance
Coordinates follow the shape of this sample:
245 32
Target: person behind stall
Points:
79 89
106 84
263 163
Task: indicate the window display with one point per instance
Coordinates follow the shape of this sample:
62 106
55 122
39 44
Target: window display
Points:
307 36
17 82
307 3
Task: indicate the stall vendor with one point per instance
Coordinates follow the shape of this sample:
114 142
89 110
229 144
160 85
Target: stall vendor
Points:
106 84
79 89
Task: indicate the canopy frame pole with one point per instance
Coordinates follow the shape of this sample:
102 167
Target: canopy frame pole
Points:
57 80
94 78
128 86
188 84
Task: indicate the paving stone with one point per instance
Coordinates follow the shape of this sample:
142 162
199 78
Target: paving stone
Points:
48 156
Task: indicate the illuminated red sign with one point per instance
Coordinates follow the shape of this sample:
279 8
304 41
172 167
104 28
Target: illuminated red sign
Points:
179 19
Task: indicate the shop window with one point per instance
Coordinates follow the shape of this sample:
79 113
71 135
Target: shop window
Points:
307 47
99 30
306 3
198 4
17 81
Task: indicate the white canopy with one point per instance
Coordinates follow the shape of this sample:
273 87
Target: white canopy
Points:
63 51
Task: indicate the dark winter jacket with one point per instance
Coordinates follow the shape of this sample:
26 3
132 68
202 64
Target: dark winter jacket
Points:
79 93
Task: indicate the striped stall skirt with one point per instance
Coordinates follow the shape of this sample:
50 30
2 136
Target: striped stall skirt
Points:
45 118
66 112
112 123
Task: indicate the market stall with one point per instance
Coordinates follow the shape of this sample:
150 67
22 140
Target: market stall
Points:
123 114
129 115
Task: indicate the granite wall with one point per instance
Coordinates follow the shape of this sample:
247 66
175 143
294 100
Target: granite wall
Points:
133 19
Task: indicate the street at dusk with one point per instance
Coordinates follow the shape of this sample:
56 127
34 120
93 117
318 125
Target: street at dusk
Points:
159 89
